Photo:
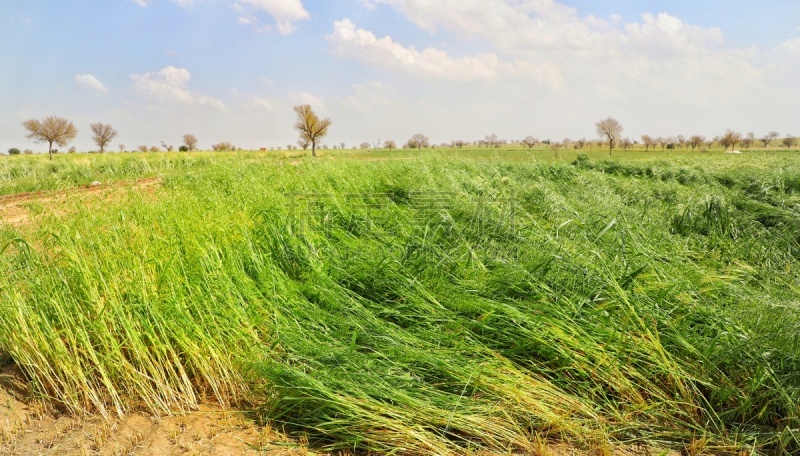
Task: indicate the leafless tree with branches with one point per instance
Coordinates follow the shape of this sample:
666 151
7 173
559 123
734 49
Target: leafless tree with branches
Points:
611 130
52 129
103 134
530 142
190 141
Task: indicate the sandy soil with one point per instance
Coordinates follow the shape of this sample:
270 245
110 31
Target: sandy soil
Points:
28 428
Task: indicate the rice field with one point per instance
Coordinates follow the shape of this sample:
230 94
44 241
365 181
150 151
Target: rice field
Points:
435 304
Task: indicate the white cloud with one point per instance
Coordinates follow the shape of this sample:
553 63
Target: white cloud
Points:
385 52
169 84
604 58
284 12
373 97
262 104
536 27
300 98
792 46
274 105
508 24
664 36
91 82
181 3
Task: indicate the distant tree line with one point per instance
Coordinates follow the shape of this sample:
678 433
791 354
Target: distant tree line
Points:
55 130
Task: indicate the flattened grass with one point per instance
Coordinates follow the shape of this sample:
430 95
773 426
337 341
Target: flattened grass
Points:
429 306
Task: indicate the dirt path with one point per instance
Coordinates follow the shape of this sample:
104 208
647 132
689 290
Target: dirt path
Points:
16 210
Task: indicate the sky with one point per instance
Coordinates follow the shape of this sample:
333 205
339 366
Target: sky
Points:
231 70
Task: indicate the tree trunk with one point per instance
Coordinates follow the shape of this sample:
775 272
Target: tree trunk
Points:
50 149
313 148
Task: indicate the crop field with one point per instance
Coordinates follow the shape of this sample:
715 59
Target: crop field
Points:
435 302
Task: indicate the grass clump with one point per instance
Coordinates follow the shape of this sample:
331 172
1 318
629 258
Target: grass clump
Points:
427 306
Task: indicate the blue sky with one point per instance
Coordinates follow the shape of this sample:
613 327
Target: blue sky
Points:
386 69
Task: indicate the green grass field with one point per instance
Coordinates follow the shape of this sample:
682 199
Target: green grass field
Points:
421 303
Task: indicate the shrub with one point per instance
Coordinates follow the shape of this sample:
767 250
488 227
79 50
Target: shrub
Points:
223 146
582 162
27 152
13 151
183 149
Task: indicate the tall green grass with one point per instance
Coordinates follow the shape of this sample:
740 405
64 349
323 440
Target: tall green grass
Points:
20 174
428 306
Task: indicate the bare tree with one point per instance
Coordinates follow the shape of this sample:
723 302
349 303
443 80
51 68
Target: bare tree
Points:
554 147
747 141
696 141
223 146
190 141
418 141
304 143
491 140
142 148
166 146
771 136
389 144
311 127
661 141
648 142
376 144
365 145
626 143
530 142
103 134
681 140
121 147
154 149
730 139
609 129
789 141
52 129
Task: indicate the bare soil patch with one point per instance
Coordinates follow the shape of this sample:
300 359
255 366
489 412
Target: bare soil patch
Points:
28 428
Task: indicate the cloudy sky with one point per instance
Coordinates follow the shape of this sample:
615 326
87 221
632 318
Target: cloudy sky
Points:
231 70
